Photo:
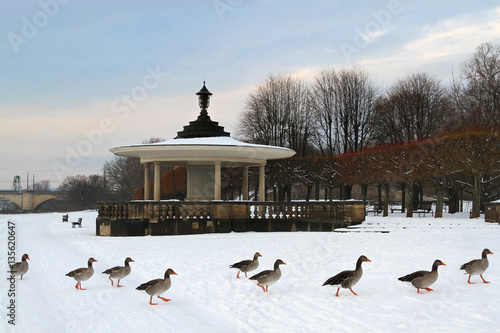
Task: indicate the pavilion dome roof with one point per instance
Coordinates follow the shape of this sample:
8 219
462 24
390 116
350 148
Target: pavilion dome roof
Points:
203 142
228 151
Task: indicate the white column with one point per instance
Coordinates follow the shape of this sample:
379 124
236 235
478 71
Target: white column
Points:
147 169
156 189
217 185
262 182
245 182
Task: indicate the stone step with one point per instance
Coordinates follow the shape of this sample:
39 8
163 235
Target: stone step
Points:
360 231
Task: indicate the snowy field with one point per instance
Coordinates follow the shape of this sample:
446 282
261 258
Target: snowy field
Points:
207 297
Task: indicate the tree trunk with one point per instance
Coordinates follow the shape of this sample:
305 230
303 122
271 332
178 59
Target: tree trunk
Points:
416 195
308 192
317 189
453 199
364 192
409 199
476 197
386 199
347 192
403 197
379 193
439 202
281 193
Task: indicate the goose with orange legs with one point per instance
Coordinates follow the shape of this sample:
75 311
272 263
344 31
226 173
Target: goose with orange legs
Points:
82 274
157 287
268 277
246 266
347 279
423 279
119 272
477 266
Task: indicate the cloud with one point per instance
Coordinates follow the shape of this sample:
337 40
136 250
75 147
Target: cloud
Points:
307 73
435 48
455 36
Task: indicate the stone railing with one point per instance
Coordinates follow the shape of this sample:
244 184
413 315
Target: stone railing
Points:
184 210
152 214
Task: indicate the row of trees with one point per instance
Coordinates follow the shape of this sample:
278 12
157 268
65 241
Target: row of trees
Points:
343 111
446 163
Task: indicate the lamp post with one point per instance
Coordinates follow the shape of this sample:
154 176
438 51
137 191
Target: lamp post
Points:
203 102
204 97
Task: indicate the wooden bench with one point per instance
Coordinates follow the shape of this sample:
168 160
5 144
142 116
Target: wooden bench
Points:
425 207
376 209
396 206
65 218
79 223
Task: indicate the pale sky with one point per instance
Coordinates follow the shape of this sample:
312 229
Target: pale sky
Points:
78 77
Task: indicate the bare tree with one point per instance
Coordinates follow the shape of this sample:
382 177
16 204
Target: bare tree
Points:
85 191
278 113
343 103
124 174
414 108
43 185
476 92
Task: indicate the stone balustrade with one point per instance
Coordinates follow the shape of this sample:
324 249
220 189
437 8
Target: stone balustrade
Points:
136 218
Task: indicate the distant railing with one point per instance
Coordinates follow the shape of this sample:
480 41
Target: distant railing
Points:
203 210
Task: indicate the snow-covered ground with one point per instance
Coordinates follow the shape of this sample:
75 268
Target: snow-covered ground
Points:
206 296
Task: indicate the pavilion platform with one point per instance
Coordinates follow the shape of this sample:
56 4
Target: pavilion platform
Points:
144 217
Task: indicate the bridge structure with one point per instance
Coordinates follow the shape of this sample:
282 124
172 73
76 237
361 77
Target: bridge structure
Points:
29 201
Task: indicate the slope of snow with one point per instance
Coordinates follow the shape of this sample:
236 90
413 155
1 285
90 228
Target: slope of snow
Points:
206 296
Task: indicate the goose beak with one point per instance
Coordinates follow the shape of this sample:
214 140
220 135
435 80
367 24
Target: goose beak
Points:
490 253
368 260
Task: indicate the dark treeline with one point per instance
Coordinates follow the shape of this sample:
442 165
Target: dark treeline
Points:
447 163
343 110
